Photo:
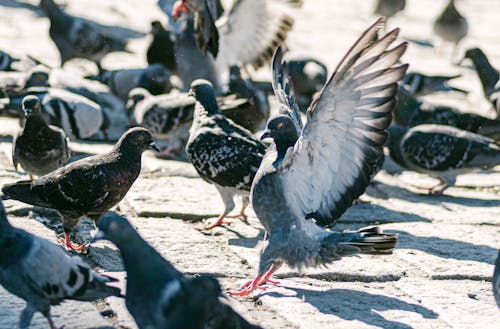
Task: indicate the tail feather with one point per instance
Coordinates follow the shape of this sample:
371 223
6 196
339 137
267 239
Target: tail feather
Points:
25 192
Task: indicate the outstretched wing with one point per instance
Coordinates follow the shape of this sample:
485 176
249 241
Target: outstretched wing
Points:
334 158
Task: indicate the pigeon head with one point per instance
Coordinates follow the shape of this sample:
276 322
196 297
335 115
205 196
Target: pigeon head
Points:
316 74
234 72
204 93
473 53
137 140
135 96
114 228
283 131
31 105
39 77
156 27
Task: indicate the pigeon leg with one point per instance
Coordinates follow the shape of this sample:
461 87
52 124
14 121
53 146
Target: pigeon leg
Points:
26 316
68 244
51 323
242 214
218 222
256 283
168 152
227 198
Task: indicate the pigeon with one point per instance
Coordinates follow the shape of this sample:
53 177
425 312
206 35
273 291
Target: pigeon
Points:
389 8
78 116
75 37
6 61
420 84
496 280
488 75
442 152
155 78
450 25
161 49
161 296
38 147
223 153
410 112
310 176
89 186
43 274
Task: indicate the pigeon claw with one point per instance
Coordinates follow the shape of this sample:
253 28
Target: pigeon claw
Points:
180 7
69 245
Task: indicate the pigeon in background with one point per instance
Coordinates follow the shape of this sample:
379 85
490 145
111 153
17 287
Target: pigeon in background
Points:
310 176
389 8
442 152
158 295
410 112
450 25
89 186
78 38
223 153
6 61
161 49
496 280
488 75
38 147
43 274
420 84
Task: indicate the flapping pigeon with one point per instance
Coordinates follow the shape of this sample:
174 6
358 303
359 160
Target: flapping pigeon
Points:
154 78
410 112
43 274
441 152
78 38
158 295
420 84
161 49
496 280
309 177
488 75
38 147
6 61
223 153
450 25
87 187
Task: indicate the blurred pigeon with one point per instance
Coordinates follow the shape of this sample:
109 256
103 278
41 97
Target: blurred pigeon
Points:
161 296
389 8
161 49
488 75
450 25
6 61
89 186
42 274
442 152
78 116
420 84
223 153
38 147
410 112
154 78
496 280
78 38
305 183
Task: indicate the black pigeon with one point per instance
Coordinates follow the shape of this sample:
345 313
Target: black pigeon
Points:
154 78
158 295
442 152
161 49
450 25
410 112
6 61
42 274
87 187
420 84
78 38
496 280
305 183
38 147
222 152
488 75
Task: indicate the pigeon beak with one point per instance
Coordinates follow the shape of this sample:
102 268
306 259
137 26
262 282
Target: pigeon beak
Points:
152 146
98 236
265 135
27 113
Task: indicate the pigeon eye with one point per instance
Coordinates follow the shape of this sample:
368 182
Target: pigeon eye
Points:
140 138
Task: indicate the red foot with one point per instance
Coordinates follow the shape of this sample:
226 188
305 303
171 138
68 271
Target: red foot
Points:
257 283
69 245
219 222
240 215
179 8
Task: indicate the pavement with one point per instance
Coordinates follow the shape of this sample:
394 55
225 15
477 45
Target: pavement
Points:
438 277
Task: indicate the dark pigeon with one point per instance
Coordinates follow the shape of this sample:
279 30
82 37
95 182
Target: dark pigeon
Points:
87 187
496 280
43 274
161 296
223 153
305 183
38 147
389 8
420 84
161 49
441 152
411 112
6 61
450 25
78 38
488 75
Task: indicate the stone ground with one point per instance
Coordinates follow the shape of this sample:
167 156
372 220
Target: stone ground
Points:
438 277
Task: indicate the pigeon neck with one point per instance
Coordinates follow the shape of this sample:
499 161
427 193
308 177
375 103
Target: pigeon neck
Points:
396 133
406 107
208 105
35 122
283 143
129 152
57 16
487 73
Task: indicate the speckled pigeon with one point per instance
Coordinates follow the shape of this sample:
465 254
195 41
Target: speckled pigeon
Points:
161 49
6 61
38 147
78 38
496 280
410 112
309 177
43 274
87 187
222 152
450 25
441 151
158 295
420 84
